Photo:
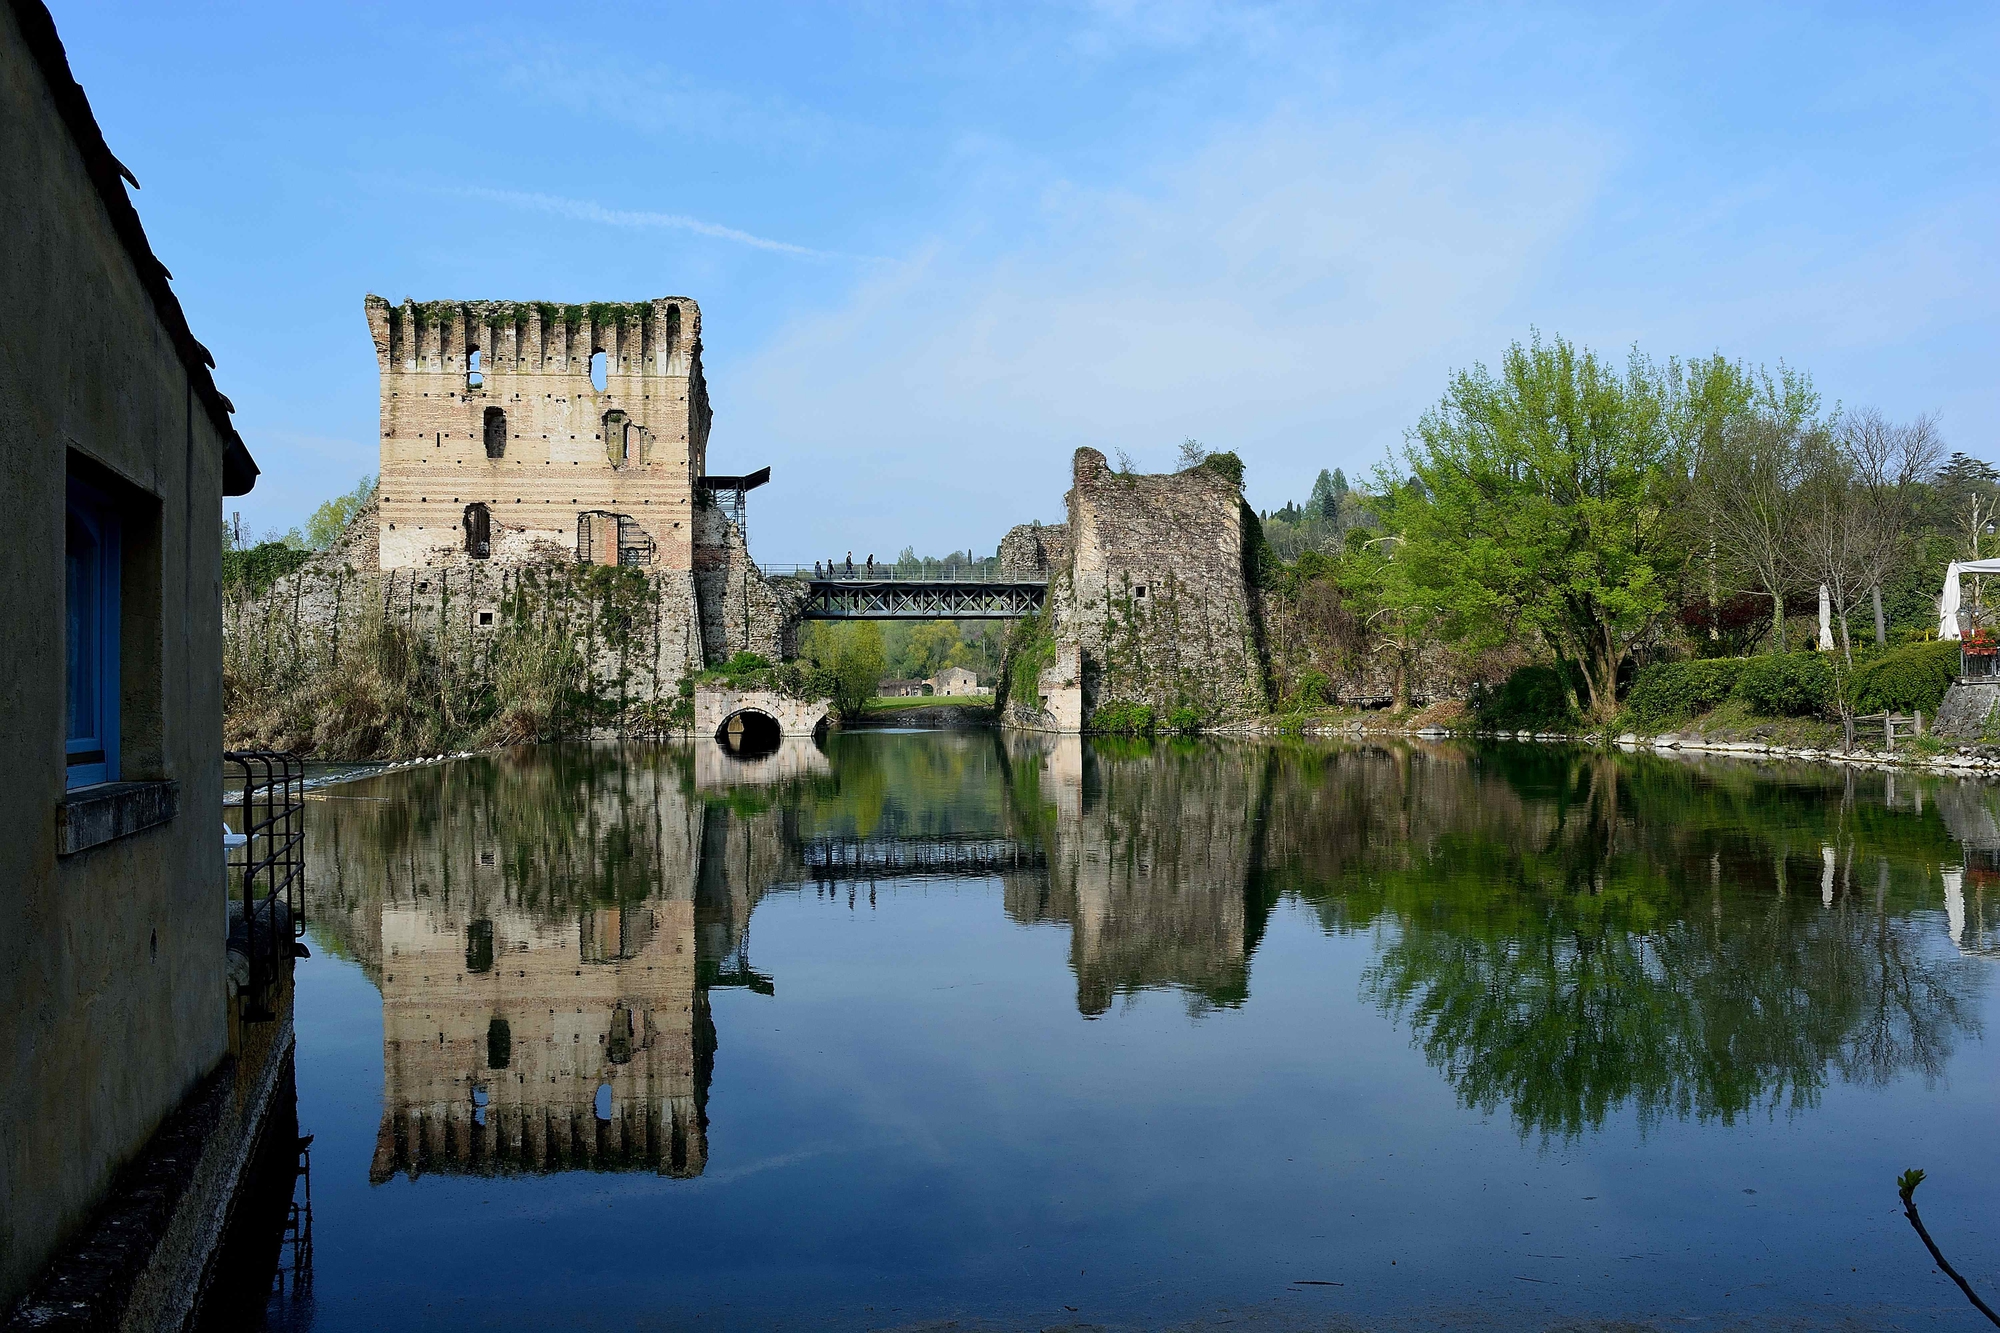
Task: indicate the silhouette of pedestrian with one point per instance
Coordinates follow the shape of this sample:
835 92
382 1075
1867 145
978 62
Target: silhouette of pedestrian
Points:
815 569
850 564
871 564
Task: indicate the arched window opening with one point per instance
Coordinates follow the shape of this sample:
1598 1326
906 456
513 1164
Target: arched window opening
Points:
496 433
673 331
475 376
478 532
597 371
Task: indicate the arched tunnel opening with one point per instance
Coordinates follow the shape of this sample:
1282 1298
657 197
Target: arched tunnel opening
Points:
750 734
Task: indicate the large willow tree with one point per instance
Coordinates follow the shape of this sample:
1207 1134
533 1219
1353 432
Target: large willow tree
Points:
1540 502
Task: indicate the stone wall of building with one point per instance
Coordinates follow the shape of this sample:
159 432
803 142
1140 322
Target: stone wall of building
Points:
528 436
1154 606
642 630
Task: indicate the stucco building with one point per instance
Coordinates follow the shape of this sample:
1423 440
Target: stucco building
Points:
115 991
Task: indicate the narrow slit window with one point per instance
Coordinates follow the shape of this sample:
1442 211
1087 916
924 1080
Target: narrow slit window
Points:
597 371
475 376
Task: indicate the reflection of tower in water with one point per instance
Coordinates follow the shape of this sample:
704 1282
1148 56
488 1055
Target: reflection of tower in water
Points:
512 1045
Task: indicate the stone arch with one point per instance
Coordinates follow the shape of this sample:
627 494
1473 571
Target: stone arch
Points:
496 433
749 732
475 372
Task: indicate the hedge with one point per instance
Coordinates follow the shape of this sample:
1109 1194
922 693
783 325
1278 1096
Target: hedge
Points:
1786 684
1672 691
1908 679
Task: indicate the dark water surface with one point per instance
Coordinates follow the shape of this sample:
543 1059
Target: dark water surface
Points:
1031 1033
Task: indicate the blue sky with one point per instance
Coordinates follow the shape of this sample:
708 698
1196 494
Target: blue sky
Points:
937 247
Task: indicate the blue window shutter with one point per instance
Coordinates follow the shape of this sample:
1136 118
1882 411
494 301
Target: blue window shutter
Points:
91 658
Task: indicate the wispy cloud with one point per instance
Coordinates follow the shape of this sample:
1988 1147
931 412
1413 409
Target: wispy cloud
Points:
585 210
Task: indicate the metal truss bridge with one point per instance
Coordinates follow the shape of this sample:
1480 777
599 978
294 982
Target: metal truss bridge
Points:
883 592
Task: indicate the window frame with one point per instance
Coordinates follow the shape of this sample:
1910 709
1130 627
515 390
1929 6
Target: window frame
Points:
93 509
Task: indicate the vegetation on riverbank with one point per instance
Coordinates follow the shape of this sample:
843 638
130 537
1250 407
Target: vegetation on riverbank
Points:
1568 544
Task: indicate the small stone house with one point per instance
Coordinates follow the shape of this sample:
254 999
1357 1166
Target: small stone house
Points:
957 681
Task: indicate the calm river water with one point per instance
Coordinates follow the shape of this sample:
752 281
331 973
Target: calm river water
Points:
1021 1032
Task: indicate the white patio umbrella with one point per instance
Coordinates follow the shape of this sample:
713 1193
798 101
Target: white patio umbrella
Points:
1948 600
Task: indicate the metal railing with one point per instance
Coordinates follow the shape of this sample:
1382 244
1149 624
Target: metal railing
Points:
267 869
908 571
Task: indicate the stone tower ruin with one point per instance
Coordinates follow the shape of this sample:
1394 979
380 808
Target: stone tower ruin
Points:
505 437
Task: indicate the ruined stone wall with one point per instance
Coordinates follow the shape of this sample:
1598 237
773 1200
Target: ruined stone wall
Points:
741 611
641 631
527 435
1034 550
1155 598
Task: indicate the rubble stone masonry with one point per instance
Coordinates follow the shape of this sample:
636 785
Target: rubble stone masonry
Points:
1154 607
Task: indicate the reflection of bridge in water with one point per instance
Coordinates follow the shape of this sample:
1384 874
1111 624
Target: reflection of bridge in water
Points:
829 860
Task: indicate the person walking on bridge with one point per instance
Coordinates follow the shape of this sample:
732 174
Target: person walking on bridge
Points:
871 564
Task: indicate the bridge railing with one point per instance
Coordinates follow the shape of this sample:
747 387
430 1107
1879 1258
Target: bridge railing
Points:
906 571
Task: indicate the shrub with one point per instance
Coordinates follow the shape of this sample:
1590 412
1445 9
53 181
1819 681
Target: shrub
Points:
1671 691
1315 690
1184 721
1908 679
1786 684
1533 696
1122 719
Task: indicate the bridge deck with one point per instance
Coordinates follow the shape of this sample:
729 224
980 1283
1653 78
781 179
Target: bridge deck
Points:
967 595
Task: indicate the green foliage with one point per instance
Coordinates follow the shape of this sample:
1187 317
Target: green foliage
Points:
252 570
1030 651
1225 465
1183 721
1672 691
1533 697
329 522
1786 684
1539 503
850 652
1122 719
1314 690
1905 680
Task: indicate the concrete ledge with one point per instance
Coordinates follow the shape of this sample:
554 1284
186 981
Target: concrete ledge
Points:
90 816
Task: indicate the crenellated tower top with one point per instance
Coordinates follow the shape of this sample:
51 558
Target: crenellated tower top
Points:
657 337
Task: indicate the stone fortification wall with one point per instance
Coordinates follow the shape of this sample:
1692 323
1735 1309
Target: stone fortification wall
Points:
641 631
1033 550
1154 600
529 437
741 611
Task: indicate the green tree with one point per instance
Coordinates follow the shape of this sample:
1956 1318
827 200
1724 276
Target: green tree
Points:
1329 490
329 522
1540 502
852 650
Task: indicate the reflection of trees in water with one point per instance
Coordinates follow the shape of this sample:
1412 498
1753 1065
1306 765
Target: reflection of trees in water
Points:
1568 934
